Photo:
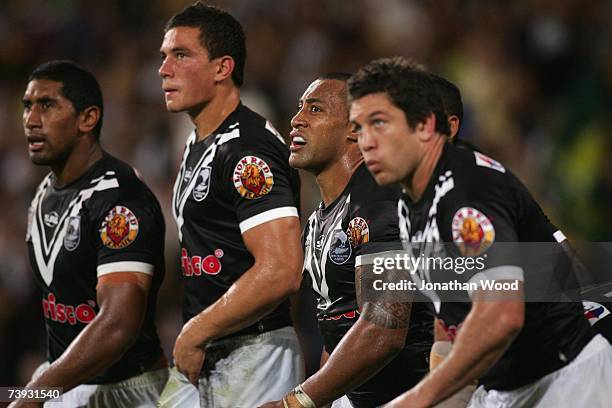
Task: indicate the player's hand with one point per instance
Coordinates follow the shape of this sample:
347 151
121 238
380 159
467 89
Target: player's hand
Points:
188 355
273 404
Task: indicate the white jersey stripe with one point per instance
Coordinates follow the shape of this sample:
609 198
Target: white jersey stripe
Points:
125 266
559 236
39 243
266 216
180 197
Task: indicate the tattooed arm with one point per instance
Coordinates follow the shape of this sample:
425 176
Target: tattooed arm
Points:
373 341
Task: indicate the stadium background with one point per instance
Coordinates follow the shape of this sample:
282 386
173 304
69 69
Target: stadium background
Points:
536 78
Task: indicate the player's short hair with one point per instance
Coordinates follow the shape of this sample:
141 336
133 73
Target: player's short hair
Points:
220 34
79 86
337 76
451 96
408 85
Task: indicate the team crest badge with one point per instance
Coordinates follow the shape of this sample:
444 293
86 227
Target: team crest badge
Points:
73 233
252 177
340 249
200 191
358 232
473 232
119 228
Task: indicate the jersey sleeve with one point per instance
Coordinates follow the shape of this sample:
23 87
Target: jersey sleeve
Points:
129 234
261 185
480 233
373 231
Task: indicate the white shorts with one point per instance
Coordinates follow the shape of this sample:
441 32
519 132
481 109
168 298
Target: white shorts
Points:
241 372
140 391
342 402
586 382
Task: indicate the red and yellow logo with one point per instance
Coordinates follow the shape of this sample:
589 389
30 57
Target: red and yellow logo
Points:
252 177
119 228
358 232
473 232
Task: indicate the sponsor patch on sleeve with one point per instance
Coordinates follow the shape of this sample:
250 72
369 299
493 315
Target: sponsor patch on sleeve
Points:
358 232
119 228
473 232
252 177
594 311
486 161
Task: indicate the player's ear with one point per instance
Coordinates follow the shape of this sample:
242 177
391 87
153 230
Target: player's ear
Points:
225 67
88 118
426 128
351 133
453 123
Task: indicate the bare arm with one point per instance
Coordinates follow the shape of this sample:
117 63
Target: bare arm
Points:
487 332
381 329
276 274
123 300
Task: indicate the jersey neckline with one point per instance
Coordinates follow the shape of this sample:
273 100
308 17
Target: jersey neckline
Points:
84 176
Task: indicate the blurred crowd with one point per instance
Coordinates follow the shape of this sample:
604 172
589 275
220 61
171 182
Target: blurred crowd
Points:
536 78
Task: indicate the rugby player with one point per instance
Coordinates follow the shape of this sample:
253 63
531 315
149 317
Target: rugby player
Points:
522 353
236 207
366 352
95 240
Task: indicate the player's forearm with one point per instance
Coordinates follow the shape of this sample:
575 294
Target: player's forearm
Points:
252 297
348 366
98 347
485 335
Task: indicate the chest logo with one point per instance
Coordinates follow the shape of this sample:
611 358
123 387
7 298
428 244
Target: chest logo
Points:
340 249
252 177
73 233
51 219
188 175
473 232
358 232
200 191
120 228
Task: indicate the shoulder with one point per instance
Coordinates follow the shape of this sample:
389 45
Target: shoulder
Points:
250 132
118 182
365 192
475 174
128 179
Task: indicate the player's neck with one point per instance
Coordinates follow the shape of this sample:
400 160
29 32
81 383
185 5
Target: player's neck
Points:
333 180
416 183
82 157
212 115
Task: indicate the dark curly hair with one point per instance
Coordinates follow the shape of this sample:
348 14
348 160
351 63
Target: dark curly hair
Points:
220 34
409 86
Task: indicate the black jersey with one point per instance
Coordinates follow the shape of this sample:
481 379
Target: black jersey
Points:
233 180
471 202
360 225
106 221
